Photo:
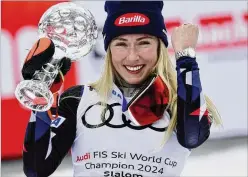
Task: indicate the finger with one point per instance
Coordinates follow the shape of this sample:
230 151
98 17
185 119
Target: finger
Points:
186 24
175 29
66 65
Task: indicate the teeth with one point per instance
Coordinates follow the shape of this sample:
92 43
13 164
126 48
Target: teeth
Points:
136 68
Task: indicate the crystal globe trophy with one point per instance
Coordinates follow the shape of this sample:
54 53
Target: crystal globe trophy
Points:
73 30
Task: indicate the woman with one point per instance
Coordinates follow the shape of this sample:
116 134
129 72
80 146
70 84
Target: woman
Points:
141 118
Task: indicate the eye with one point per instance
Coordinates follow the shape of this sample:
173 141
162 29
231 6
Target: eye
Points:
121 44
144 43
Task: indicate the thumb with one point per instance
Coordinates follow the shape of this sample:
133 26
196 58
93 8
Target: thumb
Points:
65 66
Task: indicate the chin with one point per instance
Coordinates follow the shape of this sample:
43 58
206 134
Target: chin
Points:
133 81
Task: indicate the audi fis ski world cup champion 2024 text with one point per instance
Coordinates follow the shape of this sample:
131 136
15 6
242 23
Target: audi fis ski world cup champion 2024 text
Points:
137 163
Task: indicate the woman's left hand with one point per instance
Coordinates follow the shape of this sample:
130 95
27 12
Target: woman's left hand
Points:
184 36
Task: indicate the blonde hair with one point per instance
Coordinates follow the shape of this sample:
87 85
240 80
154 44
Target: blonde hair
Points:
167 72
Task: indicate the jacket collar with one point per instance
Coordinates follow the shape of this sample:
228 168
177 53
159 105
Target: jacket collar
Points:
119 96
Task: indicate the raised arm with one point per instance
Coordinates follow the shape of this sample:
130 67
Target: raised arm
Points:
48 138
193 123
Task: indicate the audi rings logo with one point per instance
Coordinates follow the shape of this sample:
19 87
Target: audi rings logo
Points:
107 119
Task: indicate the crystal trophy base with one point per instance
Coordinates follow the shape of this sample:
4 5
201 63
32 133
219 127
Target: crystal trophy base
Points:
34 95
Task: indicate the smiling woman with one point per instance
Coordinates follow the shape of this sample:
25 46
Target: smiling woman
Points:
140 105
134 56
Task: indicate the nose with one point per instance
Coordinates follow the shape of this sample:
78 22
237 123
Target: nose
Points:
133 54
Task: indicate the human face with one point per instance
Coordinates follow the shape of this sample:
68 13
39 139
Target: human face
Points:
134 56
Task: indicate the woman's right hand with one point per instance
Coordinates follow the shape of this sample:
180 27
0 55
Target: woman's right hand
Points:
40 54
184 36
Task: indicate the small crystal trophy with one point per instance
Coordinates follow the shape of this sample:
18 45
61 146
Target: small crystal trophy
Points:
73 30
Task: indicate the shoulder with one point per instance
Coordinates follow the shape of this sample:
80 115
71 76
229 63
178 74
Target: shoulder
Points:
74 92
69 100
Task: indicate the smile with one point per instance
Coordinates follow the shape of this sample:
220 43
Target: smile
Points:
134 68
